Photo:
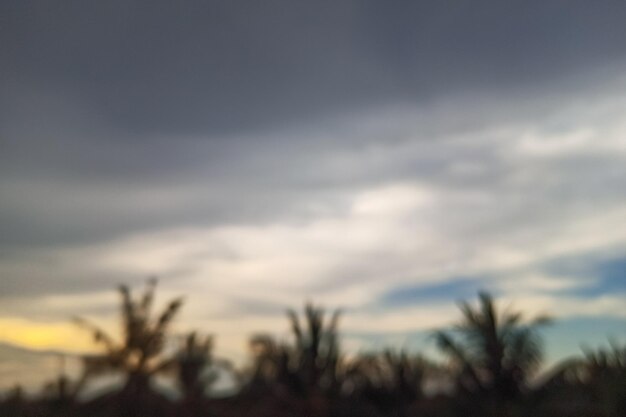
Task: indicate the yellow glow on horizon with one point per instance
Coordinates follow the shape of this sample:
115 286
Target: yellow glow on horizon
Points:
36 335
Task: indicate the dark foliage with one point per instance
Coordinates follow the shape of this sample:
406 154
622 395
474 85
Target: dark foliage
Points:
493 356
494 353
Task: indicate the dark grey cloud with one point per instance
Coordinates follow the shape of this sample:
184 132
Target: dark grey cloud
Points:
199 66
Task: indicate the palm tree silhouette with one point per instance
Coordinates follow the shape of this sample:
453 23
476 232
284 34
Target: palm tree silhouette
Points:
593 384
391 380
308 367
270 360
604 376
495 352
404 375
139 354
316 350
192 361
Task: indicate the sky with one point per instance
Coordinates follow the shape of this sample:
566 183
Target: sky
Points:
385 158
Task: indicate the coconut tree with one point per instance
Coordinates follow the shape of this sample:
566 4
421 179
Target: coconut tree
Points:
271 371
596 381
139 353
308 366
391 380
316 350
605 377
495 352
192 361
404 375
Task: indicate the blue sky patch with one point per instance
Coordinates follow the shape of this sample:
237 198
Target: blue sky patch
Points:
450 291
566 337
607 276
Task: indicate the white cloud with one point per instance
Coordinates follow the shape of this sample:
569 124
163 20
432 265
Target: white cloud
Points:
561 307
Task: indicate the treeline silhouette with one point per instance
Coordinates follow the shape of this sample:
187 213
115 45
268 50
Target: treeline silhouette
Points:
493 360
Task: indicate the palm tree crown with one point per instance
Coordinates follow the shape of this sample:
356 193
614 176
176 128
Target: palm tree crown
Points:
139 354
495 351
310 365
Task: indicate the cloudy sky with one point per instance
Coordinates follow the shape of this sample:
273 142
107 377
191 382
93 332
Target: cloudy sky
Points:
388 159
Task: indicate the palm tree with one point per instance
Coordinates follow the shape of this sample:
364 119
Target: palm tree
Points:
139 355
495 352
605 377
404 375
596 381
307 367
391 380
192 361
316 350
270 360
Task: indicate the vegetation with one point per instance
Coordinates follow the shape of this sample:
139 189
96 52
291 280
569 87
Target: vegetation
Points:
492 356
